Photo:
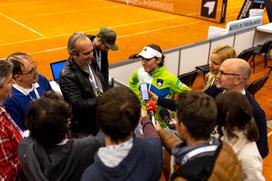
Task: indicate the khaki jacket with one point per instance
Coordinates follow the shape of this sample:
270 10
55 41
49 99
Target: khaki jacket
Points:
227 167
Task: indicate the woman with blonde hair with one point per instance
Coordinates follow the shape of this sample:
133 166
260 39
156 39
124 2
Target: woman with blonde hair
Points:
218 55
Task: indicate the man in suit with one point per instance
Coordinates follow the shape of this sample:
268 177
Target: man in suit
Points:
232 76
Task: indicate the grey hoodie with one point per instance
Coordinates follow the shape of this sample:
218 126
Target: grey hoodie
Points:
62 162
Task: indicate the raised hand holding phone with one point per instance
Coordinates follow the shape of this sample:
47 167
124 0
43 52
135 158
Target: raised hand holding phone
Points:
144 91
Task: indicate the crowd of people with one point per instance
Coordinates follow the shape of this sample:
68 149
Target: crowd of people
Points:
89 131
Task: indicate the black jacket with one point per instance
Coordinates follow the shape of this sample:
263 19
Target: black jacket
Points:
167 103
104 61
77 90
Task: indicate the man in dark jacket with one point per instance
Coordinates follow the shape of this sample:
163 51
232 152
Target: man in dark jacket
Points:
81 85
102 42
125 157
232 76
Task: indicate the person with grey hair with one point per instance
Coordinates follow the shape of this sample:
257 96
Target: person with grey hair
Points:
29 85
81 85
102 43
232 77
10 133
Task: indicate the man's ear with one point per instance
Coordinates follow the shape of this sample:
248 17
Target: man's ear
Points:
99 41
238 80
74 54
16 77
98 38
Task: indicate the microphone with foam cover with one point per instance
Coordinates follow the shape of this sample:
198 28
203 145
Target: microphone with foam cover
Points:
151 109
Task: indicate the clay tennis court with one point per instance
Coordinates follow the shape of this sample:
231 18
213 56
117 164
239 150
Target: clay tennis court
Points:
41 28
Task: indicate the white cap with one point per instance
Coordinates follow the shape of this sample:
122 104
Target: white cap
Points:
149 53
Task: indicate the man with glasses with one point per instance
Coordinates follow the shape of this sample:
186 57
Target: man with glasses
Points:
232 76
102 42
81 85
29 85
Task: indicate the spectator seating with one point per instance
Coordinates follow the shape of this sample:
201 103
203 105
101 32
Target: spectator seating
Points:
247 54
203 69
188 78
257 84
262 49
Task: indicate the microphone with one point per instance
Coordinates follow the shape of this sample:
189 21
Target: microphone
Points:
151 109
166 117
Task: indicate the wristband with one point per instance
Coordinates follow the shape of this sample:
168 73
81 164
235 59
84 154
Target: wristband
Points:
148 122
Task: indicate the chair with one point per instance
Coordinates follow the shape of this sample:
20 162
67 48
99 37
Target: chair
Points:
247 54
203 69
188 78
256 85
262 49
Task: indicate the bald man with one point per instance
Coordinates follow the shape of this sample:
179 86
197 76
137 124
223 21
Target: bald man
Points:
81 85
232 76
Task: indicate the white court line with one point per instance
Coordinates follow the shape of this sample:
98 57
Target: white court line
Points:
48 50
24 41
21 24
69 11
157 29
122 36
119 25
144 22
90 30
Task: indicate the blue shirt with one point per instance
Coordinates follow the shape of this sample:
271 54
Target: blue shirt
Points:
17 106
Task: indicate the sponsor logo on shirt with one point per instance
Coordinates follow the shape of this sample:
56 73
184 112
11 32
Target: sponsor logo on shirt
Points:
159 82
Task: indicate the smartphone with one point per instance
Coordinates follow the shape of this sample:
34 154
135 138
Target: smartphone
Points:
144 91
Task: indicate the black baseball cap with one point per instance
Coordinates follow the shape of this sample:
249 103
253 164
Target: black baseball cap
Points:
108 37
